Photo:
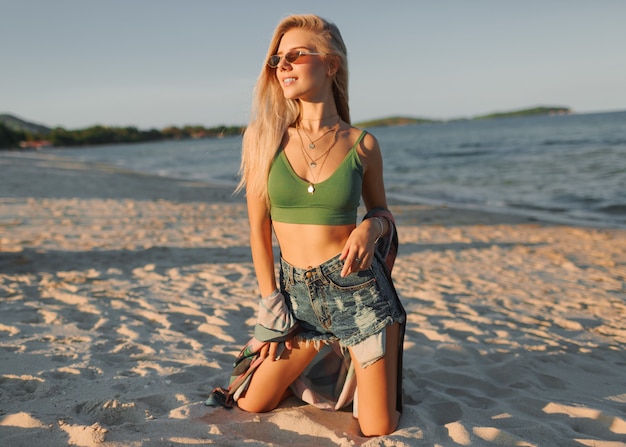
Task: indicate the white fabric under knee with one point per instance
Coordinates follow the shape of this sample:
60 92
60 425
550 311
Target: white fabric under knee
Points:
371 349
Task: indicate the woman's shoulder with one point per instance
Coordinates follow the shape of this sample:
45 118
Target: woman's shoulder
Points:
366 143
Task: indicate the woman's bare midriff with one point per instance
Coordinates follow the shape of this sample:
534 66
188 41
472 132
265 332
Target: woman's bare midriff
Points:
305 246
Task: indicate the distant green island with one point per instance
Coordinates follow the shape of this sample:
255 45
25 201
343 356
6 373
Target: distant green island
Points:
535 111
18 133
405 120
394 121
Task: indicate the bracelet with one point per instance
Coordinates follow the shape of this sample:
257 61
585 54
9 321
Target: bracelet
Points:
382 229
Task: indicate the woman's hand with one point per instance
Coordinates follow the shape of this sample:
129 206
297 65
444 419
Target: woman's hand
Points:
274 349
358 253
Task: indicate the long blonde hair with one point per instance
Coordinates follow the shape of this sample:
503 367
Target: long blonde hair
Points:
272 114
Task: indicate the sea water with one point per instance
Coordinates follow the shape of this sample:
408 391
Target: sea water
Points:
568 168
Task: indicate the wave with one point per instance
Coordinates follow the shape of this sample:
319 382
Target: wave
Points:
462 154
568 142
584 142
613 209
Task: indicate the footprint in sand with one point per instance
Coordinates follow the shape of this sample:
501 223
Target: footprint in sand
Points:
19 386
109 412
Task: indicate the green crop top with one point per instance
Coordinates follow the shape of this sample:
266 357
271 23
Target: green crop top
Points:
334 202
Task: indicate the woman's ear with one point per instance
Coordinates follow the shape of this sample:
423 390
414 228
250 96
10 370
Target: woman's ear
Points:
333 66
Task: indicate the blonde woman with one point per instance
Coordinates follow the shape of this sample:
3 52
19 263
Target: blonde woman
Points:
305 169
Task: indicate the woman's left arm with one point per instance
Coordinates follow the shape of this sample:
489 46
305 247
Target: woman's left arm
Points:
358 252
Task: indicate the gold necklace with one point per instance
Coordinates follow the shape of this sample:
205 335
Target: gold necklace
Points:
313 163
312 142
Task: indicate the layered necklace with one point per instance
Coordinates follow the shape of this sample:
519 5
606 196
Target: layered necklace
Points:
311 161
311 141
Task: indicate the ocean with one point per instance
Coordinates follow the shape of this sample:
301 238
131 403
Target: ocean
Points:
567 169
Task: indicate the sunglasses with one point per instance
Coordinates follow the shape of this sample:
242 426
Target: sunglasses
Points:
291 57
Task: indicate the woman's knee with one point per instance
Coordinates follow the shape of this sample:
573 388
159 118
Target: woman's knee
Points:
254 406
379 426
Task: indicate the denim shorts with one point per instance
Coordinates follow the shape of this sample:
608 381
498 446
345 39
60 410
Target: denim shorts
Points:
331 308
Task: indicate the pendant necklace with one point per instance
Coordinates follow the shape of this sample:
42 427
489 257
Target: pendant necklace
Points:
313 162
312 142
310 160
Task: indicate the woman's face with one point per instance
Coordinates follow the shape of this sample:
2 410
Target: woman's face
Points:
307 77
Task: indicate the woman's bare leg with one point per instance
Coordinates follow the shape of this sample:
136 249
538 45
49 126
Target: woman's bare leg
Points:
377 388
271 380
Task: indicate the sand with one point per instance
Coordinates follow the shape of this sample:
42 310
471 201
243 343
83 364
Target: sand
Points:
124 299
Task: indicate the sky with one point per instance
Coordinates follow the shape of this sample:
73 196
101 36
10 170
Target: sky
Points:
157 63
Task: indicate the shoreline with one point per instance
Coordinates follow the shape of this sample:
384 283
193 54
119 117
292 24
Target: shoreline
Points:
125 297
516 215
395 200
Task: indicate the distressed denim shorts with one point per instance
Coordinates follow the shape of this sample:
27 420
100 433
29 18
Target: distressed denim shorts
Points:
331 308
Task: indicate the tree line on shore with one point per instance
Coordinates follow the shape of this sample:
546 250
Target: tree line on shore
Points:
15 137
15 132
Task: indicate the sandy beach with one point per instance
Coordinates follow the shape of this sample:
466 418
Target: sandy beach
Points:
124 299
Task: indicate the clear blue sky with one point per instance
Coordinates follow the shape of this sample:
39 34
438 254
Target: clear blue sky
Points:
154 63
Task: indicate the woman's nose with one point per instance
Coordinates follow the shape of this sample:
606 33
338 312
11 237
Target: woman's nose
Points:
284 65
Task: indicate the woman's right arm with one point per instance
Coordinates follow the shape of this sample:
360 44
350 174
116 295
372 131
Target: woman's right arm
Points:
261 244
263 258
